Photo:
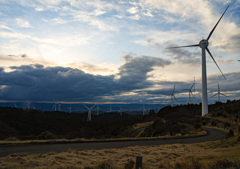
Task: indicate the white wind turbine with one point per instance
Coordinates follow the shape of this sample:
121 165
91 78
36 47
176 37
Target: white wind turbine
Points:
190 93
121 111
204 45
89 118
173 96
98 110
219 93
143 106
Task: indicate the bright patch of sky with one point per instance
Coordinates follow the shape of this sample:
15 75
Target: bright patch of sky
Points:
95 36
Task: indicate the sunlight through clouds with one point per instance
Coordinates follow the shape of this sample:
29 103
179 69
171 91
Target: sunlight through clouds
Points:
121 45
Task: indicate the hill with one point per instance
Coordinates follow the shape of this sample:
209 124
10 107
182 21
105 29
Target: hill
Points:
26 124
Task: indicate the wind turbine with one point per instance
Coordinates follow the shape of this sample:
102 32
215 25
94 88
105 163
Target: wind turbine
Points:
173 96
121 111
59 106
190 93
204 45
89 118
98 110
219 93
144 112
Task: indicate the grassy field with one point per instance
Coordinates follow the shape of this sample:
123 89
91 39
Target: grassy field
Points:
217 154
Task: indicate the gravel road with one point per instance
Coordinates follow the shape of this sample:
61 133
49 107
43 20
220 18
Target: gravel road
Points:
212 135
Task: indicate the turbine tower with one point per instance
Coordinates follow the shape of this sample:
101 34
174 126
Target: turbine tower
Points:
219 93
190 93
173 96
203 44
144 112
89 118
98 110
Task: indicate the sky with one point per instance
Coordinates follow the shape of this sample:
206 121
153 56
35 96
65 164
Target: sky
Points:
100 51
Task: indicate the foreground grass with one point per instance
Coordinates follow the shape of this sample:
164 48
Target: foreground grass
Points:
217 154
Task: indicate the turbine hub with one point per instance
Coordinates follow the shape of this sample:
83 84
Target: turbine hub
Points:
203 43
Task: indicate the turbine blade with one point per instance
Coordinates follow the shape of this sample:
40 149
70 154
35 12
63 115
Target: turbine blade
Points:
210 34
175 98
183 46
86 106
191 93
223 94
192 86
215 62
173 90
214 95
92 106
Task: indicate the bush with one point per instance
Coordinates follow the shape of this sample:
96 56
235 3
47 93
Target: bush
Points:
46 135
226 125
129 164
230 133
105 165
221 164
11 139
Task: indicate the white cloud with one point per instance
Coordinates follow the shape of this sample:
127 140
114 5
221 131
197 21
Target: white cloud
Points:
23 23
133 10
5 27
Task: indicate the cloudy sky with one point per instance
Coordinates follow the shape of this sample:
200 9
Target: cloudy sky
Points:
115 51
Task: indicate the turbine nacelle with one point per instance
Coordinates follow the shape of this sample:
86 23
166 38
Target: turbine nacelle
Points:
203 43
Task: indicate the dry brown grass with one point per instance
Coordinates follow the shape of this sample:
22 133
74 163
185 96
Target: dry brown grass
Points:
178 156
165 156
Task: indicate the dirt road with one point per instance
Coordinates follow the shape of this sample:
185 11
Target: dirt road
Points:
212 135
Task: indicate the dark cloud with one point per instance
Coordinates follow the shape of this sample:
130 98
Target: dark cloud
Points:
35 82
134 72
181 55
24 56
232 44
184 55
38 83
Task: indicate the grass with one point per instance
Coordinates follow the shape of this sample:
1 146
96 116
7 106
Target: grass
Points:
201 155
16 141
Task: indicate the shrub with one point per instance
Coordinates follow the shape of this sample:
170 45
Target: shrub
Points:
11 139
238 139
129 164
105 165
226 125
46 135
88 167
230 133
197 125
221 164
213 123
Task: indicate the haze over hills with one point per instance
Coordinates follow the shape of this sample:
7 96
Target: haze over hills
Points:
79 108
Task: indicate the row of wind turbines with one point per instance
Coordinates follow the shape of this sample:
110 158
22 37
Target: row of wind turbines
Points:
203 44
191 95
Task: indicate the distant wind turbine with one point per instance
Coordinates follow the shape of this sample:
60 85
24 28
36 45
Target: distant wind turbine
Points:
59 106
204 45
98 110
190 93
173 96
144 112
89 118
121 111
219 93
